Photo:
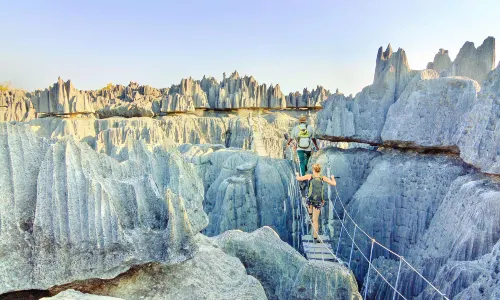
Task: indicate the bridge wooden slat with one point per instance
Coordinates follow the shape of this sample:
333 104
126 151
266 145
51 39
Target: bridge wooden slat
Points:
316 256
309 238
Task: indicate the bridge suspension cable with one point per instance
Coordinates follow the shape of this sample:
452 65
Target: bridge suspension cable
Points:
302 207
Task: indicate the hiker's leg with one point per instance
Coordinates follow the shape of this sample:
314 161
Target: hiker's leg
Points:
307 155
310 212
302 156
316 221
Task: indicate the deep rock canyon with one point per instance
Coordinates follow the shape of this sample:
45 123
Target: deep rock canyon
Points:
135 192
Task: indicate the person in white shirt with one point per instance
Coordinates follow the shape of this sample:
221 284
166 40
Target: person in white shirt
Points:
303 134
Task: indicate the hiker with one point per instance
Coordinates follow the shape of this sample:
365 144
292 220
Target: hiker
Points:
315 194
302 134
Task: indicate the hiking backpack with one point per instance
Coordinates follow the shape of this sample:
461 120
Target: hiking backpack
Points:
316 189
304 137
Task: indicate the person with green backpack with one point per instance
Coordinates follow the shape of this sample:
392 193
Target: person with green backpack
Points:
303 135
315 194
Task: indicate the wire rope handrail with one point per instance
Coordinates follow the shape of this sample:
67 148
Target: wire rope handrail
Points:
373 242
386 248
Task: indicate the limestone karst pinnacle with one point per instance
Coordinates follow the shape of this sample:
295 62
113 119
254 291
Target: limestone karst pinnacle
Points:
470 62
382 57
441 61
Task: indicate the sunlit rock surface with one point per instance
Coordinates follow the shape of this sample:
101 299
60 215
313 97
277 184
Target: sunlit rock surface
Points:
422 109
134 100
15 105
472 62
362 118
284 273
314 98
109 135
62 98
430 112
441 61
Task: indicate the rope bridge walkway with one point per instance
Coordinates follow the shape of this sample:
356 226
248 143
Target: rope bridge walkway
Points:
323 250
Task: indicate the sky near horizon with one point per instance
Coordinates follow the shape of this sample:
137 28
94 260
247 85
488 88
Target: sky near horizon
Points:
294 43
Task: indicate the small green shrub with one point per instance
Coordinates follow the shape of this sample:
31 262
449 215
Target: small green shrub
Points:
108 87
4 86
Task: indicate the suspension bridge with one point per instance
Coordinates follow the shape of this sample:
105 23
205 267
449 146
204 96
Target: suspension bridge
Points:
323 251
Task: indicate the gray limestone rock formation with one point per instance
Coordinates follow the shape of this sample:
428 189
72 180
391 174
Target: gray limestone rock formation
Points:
71 213
441 61
113 100
430 112
465 239
336 120
460 249
76 295
110 135
244 191
21 155
62 98
283 272
235 92
210 274
362 118
184 97
419 109
433 209
15 105
408 189
177 103
480 140
474 63
85 198
315 98
276 99
135 100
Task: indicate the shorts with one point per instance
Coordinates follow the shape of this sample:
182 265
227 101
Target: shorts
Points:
315 204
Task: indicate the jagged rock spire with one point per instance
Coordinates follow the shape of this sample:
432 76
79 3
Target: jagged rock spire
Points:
474 63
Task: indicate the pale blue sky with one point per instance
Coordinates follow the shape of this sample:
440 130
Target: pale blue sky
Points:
294 43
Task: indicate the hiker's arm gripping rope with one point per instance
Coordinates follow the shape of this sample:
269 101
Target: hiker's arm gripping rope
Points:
330 181
302 178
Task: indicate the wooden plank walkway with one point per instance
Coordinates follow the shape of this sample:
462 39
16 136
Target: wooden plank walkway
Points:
317 250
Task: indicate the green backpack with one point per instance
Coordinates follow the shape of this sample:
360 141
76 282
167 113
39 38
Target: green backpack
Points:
304 137
316 189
